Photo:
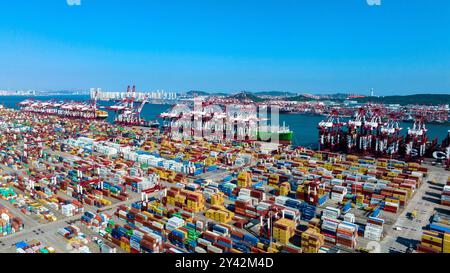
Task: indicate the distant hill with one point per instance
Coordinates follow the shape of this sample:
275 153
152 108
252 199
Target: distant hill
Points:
338 96
247 95
430 99
204 93
275 93
219 94
434 99
197 93
300 98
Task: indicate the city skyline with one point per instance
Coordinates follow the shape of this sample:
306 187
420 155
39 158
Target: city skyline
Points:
320 47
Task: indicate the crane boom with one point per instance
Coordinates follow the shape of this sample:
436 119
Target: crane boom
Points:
144 101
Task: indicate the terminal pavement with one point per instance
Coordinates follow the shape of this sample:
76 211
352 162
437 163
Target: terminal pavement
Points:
425 201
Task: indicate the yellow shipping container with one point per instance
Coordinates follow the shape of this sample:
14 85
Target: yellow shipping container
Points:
392 200
170 200
272 250
439 248
209 214
400 197
244 179
285 188
106 202
180 198
122 245
432 239
446 245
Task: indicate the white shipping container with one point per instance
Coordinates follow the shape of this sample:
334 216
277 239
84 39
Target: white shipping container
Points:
199 250
349 217
214 249
203 241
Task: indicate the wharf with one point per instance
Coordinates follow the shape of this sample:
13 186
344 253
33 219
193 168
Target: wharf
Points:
135 154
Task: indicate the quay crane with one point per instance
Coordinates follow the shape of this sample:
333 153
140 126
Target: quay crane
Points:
331 135
126 102
129 115
389 139
69 109
373 129
416 140
99 114
445 151
211 123
357 138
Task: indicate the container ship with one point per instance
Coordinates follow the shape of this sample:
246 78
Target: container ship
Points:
282 134
241 125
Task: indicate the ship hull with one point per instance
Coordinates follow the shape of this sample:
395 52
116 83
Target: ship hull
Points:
282 136
101 115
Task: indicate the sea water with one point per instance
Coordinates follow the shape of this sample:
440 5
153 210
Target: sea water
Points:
304 126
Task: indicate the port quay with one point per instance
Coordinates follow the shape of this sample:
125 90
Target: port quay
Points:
234 136
96 187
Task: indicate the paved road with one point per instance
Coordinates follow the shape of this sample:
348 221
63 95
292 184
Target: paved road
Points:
27 220
47 231
425 201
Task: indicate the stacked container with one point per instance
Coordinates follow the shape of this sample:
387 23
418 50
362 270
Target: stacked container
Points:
338 193
445 197
244 179
8 223
329 229
312 241
391 204
174 223
220 215
374 229
68 210
107 247
194 201
33 246
433 242
347 234
217 199
284 230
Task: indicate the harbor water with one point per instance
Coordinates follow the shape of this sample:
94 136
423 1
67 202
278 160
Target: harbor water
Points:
304 126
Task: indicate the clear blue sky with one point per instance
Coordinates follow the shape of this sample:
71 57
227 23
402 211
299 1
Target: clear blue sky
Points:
319 46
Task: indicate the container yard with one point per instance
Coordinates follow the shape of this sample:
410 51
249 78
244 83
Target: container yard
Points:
224 136
67 186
